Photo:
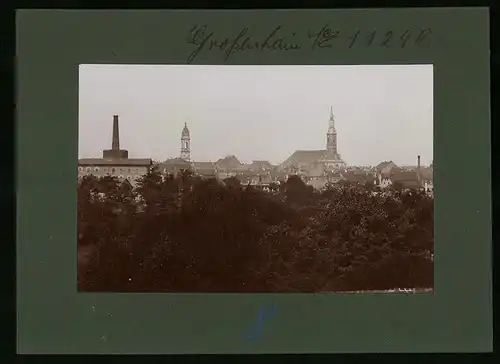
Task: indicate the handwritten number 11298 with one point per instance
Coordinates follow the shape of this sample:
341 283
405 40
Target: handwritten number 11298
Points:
387 38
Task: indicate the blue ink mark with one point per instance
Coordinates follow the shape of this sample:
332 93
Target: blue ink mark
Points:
254 332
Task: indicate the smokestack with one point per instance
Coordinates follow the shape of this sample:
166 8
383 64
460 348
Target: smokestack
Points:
418 168
116 134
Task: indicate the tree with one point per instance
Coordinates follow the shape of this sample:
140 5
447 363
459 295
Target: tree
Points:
232 182
183 233
296 191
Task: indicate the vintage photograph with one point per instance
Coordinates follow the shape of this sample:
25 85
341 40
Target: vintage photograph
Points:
255 179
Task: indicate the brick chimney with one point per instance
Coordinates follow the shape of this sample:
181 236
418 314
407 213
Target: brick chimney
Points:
115 145
115 152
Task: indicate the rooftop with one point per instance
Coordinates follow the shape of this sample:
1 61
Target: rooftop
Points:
175 161
229 160
145 162
304 157
203 166
384 164
261 165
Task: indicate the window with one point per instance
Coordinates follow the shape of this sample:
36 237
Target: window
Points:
112 170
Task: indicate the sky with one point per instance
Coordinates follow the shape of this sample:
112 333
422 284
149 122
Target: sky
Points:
382 112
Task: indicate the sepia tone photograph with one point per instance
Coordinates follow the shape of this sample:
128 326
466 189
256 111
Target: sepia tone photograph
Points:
255 179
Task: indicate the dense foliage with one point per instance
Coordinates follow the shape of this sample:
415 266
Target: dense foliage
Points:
187 234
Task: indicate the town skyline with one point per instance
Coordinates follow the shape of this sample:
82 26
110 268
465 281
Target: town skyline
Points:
151 127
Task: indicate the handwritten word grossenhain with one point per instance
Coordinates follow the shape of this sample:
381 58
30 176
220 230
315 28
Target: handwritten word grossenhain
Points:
280 39
204 39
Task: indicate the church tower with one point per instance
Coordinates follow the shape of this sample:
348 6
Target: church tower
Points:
185 144
331 137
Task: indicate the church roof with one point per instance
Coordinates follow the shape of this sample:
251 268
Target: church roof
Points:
304 157
316 170
144 162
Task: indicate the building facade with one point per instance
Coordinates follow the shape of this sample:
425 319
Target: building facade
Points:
115 162
420 178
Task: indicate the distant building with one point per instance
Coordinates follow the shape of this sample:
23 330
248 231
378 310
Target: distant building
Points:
317 168
115 162
302 160
124 169
408 179
360 177
385 168
204 169
427 179
261 166
228 163
174 166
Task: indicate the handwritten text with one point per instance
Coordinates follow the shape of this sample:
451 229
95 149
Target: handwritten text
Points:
279 39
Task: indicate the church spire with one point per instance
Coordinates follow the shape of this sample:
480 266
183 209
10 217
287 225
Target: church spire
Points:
185 143
331 126
331 136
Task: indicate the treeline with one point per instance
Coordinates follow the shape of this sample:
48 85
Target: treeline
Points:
186 234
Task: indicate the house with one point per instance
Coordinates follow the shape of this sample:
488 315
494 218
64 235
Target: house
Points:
174 166
427 178
204 169
385 168
411 178
406 179
359 177
260 166
228 163
131 169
